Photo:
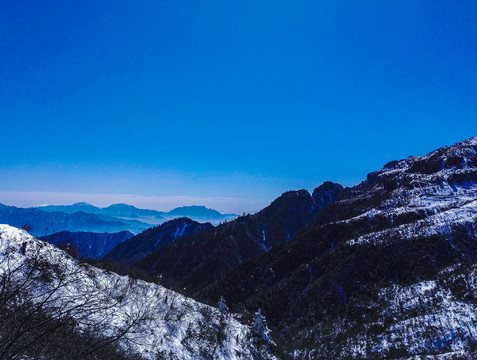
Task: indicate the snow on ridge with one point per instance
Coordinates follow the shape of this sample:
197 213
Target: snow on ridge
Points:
464 149
179 232
439 223
444 206
170 323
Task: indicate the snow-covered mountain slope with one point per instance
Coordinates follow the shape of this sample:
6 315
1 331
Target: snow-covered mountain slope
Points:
431 319
144 320
419 196
370 276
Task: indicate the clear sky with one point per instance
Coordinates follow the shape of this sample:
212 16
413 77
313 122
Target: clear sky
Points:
225 103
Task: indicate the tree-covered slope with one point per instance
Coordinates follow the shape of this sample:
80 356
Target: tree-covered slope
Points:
83 244
152 239
195 260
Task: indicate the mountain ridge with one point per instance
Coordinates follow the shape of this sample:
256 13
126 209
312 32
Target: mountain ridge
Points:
407 226
45 223
152 239
206 255
153 217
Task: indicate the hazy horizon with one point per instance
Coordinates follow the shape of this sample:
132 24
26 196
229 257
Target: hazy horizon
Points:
242 203
27 199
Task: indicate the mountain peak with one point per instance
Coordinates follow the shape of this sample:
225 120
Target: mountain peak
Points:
288 199
328 185
292 194
82 204
121 206
192 207
195 211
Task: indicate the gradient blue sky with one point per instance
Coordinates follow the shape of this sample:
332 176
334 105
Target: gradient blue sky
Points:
225 103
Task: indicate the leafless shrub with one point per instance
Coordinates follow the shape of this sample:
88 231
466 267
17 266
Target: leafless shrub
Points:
55 309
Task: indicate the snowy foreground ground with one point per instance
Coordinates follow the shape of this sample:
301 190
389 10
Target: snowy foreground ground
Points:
146 319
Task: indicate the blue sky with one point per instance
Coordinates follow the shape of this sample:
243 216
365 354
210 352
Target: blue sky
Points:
225 103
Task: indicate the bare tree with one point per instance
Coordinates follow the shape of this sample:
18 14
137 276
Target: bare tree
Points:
52 306
53 309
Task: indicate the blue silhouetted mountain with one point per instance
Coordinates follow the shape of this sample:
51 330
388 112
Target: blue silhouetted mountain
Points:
199 213
152 239
44 222
70 209
129 211
87 244
152 217
116 210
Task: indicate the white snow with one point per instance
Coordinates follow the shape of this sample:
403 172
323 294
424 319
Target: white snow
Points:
444 205
161 320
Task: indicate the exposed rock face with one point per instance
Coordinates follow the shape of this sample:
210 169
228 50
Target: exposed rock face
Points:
326 194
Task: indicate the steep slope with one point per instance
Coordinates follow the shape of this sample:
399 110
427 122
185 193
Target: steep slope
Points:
44 223
142 320
388 270
150 240
87 244
195 260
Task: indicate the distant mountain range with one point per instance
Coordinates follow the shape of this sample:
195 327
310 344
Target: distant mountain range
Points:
199 213
44 223
125 211
46 220
116 210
